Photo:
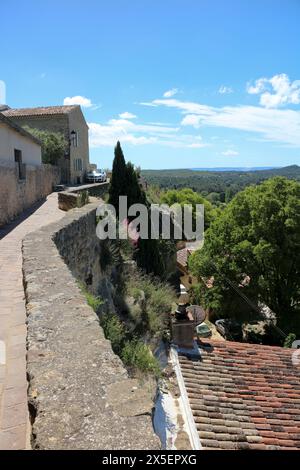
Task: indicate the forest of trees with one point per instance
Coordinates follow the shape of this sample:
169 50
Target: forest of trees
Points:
217 186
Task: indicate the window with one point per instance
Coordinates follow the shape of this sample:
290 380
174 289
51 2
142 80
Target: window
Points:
21 166
74 138
78 164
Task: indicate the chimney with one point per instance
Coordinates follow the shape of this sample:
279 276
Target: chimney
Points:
183 327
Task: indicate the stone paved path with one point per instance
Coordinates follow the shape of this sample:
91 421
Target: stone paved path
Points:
14 420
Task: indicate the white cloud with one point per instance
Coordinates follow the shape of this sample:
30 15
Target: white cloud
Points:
276 125
258 87
230 153
140 134
2 92
191 120
225 90
127 115
81 100
146 103
170 93
275 91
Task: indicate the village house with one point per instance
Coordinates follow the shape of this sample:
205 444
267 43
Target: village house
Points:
23 178
67 120
18 145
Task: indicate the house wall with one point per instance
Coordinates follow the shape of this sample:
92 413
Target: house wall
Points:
17 195
53 123
11 140
78 124
64 123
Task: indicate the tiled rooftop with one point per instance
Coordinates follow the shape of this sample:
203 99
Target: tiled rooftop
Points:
182 256
244 396
41 111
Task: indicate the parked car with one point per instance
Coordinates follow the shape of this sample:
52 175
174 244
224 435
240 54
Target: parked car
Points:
229 329
96 176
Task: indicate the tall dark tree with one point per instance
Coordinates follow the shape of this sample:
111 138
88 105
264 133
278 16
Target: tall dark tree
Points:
118 184
134 191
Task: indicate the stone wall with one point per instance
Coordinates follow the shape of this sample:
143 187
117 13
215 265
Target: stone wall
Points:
70 199
79 391
17 195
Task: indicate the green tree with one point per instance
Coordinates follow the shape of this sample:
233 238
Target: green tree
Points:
255 244
118 182
134 192
124 182
54 144
188 196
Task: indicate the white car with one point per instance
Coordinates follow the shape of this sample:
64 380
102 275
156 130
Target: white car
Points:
96 176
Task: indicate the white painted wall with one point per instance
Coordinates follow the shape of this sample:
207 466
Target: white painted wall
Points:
11 139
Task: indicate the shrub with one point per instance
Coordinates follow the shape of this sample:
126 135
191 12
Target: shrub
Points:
156 305
291 337
83 198
137 355
114 330
94 301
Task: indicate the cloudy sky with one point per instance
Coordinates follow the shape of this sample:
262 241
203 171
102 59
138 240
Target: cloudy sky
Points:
193 83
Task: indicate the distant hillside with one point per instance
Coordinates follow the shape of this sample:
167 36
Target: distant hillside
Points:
227 168
225 183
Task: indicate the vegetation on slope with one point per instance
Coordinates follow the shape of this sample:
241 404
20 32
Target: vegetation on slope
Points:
254 244
217 186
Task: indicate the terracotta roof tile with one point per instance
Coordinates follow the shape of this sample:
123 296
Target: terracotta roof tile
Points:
41 111
244 396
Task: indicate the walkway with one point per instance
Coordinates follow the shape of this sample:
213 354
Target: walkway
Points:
14 420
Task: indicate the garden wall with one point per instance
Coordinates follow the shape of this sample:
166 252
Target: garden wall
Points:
17 195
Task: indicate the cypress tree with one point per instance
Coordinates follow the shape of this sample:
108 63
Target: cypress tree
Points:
118 184
134 192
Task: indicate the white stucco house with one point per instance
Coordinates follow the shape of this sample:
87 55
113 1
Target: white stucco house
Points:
24 180
17 145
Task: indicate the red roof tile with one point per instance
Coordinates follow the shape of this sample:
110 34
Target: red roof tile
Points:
244 396
41 111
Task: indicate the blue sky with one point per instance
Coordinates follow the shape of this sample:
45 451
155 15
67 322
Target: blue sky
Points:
181 83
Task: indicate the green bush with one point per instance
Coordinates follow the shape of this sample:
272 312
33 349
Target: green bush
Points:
94 301
154 310
83 198
54 144
291 337
114 330
133 352
137 355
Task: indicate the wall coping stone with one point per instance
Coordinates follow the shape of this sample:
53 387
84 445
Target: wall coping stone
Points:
71 366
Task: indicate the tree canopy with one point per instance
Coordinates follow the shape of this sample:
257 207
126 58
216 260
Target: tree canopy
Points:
255 243
188 196
54 144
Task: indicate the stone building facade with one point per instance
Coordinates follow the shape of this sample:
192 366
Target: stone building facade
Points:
67 120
